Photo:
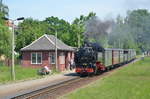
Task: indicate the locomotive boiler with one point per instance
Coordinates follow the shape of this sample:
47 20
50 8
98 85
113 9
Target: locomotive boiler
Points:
86 59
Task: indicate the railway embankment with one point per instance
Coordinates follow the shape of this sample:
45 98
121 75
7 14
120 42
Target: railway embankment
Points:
130 82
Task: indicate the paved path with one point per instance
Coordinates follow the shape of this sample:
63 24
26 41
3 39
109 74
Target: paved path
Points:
10 90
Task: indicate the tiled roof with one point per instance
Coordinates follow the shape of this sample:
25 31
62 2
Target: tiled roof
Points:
46 42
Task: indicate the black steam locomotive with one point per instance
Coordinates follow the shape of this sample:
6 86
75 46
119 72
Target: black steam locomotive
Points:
93 58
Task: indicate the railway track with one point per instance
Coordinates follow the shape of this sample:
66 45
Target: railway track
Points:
53 92
38 94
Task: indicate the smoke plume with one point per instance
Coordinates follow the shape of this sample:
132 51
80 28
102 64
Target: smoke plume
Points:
97 30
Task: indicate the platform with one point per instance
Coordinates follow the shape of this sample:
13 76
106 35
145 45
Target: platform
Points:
8 91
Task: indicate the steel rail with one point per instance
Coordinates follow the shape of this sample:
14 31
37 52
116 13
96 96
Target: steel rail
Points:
38 92
53 88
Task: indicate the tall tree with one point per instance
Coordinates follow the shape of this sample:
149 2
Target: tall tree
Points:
4 9
132 31
5 41
62 27
139 21
28 31
79 24
5 35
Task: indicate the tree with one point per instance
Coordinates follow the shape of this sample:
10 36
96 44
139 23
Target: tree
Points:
5 36
4 9
62 27
79 26
139 21
28 31
132 31
5 41
121 36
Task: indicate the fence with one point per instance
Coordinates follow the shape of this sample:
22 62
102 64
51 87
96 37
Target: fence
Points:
8 62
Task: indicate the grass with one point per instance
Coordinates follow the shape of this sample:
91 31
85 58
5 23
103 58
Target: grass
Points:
21 74
130 82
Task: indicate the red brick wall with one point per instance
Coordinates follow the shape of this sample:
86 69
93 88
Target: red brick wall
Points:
61 61
26 60
68 60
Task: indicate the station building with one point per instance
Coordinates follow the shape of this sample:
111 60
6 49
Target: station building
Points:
41 52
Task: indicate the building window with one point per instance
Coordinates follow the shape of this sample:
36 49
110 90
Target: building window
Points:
36 58
52 58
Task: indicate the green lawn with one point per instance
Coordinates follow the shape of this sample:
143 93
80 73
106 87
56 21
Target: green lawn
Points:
130 82
21 74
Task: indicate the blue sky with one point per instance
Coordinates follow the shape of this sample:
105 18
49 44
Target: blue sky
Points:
70 9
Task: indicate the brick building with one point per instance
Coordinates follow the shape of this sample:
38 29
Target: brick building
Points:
41 52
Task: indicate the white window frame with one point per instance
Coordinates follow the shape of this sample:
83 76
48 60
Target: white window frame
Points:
36 53
50 54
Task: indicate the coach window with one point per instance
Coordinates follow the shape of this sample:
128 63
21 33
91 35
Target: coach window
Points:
52 58
36 58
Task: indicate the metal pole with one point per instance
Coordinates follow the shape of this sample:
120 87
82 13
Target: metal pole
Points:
13 45
78 40
13 67
56 49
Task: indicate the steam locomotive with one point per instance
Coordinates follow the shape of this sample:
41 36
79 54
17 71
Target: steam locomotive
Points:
94 59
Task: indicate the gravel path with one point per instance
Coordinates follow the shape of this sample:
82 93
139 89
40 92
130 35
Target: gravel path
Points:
10 90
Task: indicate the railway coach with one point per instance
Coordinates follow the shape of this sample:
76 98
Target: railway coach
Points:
93 59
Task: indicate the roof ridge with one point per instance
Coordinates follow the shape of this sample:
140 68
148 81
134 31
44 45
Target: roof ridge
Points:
51 40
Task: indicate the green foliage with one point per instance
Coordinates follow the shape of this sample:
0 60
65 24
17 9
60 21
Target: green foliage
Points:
131 82
4 9
28 31
62 27
2 22
71 34
5 38
79 28
139 21
121 36
5 33
132 31
5 41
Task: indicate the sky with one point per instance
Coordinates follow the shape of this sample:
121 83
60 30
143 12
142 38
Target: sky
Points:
70 9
